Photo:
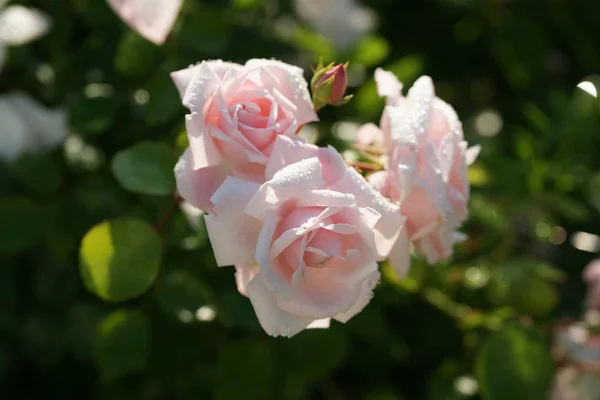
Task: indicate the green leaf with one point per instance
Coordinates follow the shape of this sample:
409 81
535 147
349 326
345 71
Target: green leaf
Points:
204 29
371 50
180 290
244 371
593 191
318 45
121 344
119 259
247 4
164 102
313 354
236 310
407 69
37 172
514 363
92 115
367 102
146 168
539 297
135 55
22 223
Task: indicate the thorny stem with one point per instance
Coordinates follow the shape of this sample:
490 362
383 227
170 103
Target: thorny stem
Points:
169 213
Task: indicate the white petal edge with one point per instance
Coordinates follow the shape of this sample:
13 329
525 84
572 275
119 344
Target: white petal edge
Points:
153 20
274 321
232 233
471 154
388 84
324 323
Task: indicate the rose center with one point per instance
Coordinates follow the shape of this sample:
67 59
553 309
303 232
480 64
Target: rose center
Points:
314 247
323 245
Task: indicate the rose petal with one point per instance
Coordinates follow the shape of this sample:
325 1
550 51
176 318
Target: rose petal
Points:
319 294
427 206
152 19
388 85
207 78
290 182
471 154
300 272
202 146
437 245
292 84
230 228
420 100
197 186
192 214
370 135
287 151
236 148
400 255
233 195
320 324
445 155
243 275
592 297
380 182
591 272
273 320
459 237
389 225
364 297
183 77
326 198
405 147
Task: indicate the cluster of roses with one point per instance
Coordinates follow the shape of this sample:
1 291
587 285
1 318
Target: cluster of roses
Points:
303 228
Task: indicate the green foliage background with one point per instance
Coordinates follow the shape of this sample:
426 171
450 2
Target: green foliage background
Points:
486 313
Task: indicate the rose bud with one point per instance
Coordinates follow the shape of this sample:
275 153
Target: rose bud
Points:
329 85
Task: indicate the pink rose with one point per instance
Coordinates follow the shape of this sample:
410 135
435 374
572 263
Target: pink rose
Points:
426 159
152 19
307 241
237 112
591 276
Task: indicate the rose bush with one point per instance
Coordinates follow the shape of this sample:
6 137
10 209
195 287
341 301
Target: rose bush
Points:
237 112
314 231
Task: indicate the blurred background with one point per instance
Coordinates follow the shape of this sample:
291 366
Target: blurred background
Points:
479 326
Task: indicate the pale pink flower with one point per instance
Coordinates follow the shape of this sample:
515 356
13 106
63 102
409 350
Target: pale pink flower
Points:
237 112
152 19
28 126
426 159
343 22
591 276
306 242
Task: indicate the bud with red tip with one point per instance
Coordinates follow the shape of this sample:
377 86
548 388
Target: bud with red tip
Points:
329 85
